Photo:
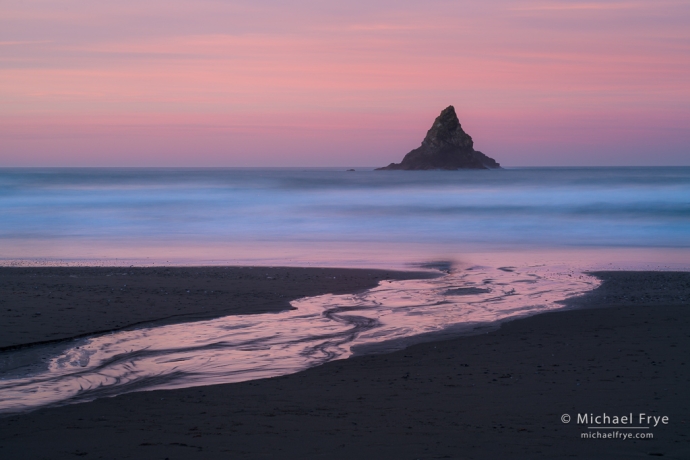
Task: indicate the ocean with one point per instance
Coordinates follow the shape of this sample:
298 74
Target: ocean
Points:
332 216
510 243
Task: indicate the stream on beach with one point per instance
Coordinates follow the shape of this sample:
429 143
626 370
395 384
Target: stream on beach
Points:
465 300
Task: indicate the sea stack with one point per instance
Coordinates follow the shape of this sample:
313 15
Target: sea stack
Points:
446 146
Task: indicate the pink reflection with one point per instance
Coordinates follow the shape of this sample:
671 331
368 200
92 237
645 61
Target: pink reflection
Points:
247 347
143 252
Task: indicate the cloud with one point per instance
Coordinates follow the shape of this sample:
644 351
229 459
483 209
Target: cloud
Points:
593 6
24 42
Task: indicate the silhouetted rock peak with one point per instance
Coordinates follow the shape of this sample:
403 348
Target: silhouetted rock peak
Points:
446 146
447 130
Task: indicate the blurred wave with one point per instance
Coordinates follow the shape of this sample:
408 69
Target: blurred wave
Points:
645 207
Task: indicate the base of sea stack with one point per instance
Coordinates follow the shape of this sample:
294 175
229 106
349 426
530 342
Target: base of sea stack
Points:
450 160
504 394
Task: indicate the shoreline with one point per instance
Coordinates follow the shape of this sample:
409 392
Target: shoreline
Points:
65 303
622 347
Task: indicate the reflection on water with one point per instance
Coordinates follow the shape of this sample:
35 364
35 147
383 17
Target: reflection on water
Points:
320 329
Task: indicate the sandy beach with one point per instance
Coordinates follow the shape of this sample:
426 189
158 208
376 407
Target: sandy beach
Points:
621 349
52 303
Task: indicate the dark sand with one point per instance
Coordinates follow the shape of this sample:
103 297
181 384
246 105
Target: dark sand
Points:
496 395
47 304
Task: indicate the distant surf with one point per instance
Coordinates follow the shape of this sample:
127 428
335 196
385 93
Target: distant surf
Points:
332 216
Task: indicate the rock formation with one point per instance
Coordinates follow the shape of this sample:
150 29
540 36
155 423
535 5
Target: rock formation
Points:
446 146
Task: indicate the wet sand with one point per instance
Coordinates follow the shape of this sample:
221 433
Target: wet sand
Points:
623 348
53 303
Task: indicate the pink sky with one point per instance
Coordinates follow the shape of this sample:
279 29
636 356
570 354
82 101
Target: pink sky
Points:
303 83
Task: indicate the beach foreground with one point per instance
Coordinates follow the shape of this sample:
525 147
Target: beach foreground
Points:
41 304
498 394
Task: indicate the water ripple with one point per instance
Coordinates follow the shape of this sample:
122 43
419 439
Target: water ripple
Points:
246 347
